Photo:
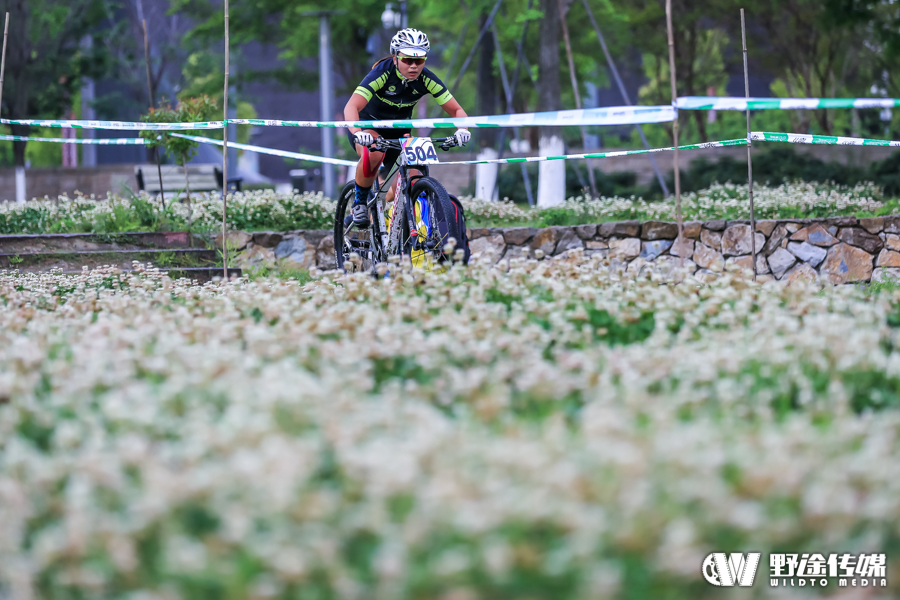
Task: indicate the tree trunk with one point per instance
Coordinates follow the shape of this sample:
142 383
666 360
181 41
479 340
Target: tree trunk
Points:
552 174
487 85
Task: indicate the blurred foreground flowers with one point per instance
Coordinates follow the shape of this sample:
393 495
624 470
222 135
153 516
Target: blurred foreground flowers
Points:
552 429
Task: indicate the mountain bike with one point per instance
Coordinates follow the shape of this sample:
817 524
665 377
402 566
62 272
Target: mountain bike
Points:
419 226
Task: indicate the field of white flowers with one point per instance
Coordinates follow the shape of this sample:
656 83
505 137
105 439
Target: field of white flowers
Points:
546 429
268 210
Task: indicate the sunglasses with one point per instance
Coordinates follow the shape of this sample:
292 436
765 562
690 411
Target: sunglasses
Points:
407 60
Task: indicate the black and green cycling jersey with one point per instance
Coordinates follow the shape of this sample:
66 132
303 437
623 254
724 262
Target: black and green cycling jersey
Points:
391 97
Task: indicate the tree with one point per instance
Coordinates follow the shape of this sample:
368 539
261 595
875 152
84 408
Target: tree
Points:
189 110
46 58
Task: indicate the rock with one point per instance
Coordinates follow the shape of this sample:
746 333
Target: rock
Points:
780 261
268 239
888 258
683 248
765 278
622 228
596 245
325 259
636 267
846 263
297 250
569 240
659 230
815 234
892 241
255 256
490 248
807 252
713 239
891 224
792 227
691 230
236 240
746 263
766 227
706 275
653 249
545 240
586 232
736 240
840 222
801 272
714 225
780 234
518 236
707 258
861 239
873 224
627 248
882 274
477 232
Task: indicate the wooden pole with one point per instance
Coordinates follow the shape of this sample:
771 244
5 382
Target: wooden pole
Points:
573 76
225 155
3 60
749 153
162 195
675 122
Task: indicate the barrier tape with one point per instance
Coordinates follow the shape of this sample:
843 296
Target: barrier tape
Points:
828 140
115 125
272 151
617 115
620 115
740 142
99 142
736 103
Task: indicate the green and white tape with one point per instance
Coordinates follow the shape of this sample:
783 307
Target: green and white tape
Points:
132 125
827 140
740 142
618 115
736 103
272 151
98 141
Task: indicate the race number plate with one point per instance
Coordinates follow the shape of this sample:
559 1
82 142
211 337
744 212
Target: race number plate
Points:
419 151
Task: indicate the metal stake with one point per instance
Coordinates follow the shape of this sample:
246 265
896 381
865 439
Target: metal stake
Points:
749 157
225 154
3 59
675 122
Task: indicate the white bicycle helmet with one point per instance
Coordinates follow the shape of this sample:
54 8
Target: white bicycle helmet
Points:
410 42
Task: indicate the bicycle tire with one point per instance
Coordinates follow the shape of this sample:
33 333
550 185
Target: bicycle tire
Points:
343 242
444 213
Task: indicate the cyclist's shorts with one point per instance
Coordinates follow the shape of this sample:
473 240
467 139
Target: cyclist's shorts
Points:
391 156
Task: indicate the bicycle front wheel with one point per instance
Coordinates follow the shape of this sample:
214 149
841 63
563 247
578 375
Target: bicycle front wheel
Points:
443 223
349 240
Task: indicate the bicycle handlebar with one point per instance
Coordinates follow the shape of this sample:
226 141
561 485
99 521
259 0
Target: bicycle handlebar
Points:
382 144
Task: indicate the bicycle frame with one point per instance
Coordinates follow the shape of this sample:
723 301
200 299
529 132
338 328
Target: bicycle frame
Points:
390 242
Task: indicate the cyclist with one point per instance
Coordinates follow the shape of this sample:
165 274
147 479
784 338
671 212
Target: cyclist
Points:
390 92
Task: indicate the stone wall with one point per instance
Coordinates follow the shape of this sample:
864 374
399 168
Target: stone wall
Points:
836 250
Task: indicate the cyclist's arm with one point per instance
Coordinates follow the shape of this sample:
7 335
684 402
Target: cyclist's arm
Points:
452 108
351 111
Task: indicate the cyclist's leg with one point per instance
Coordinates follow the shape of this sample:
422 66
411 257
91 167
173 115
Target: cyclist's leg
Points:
366 172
